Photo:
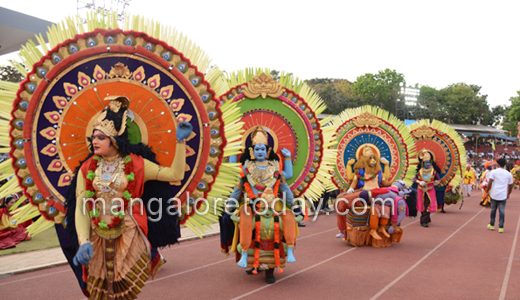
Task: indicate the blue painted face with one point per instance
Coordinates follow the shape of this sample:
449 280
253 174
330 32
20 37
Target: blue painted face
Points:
260 151
427 164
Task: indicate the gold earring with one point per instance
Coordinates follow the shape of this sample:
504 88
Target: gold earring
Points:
252 153
268 152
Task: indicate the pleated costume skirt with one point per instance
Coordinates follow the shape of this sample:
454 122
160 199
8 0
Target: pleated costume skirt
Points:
120 267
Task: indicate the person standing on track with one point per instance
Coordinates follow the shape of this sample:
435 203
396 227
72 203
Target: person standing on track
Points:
469 179
499 188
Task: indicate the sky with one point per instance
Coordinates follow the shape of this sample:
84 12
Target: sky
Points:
433 43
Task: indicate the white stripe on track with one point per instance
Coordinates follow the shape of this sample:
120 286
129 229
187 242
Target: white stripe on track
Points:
218 262
294 274
28 278
509 264
381 292
191 270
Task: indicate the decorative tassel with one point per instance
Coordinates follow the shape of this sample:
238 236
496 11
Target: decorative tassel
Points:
251 153
277 243
257 244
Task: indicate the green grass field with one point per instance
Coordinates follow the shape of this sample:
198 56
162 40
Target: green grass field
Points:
43 240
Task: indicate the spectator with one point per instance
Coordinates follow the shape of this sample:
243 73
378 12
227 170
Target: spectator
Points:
499 188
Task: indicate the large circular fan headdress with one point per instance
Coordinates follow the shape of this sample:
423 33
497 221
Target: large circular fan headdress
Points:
447 147
62 95
288 110
369 128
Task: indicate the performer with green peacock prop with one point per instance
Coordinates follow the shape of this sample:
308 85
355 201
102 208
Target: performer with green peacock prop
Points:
375 154
132 89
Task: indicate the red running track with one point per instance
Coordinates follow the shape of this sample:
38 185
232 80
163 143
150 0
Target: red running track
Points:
455 258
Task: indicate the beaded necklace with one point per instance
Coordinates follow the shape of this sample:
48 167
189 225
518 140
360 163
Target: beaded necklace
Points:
91 193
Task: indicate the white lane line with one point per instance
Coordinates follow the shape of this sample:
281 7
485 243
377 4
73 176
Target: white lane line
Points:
294 274
308 236
218 262
28 278
184 246
191 270
422 259
509 264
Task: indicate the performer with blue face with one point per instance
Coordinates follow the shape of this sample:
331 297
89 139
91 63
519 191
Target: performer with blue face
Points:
263 179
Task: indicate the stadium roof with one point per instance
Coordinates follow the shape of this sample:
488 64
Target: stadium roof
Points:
16 28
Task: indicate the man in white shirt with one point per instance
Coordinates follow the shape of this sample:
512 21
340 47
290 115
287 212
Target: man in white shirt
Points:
499 188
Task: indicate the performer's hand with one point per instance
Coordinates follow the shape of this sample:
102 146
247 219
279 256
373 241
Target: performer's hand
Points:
286 153
384 161
235 218
83 255
351 162
421 183
184 130
350 191
436 182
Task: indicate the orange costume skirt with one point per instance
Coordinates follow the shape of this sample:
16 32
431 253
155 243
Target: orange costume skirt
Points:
119 267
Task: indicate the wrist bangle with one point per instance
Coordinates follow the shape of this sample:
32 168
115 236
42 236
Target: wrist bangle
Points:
287 158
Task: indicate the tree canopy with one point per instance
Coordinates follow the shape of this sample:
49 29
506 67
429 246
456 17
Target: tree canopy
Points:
458 103
8 73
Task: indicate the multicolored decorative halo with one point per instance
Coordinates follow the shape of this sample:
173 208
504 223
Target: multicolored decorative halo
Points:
58 102
383 132
291 122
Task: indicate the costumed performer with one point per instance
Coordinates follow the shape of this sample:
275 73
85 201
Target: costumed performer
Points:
490 165
112 232
516 176
469 179
426 179
368 175
11 233
263 178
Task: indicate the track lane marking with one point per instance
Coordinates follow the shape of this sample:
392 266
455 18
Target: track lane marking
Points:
510 263
423 258
28 278
294 274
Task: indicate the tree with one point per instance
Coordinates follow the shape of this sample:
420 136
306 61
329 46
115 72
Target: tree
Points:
8 73
336 93
382 89
429 105
463 104
276 75
514 114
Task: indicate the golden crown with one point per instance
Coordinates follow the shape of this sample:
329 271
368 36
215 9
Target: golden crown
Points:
107 126
367 151
424 155
259 136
